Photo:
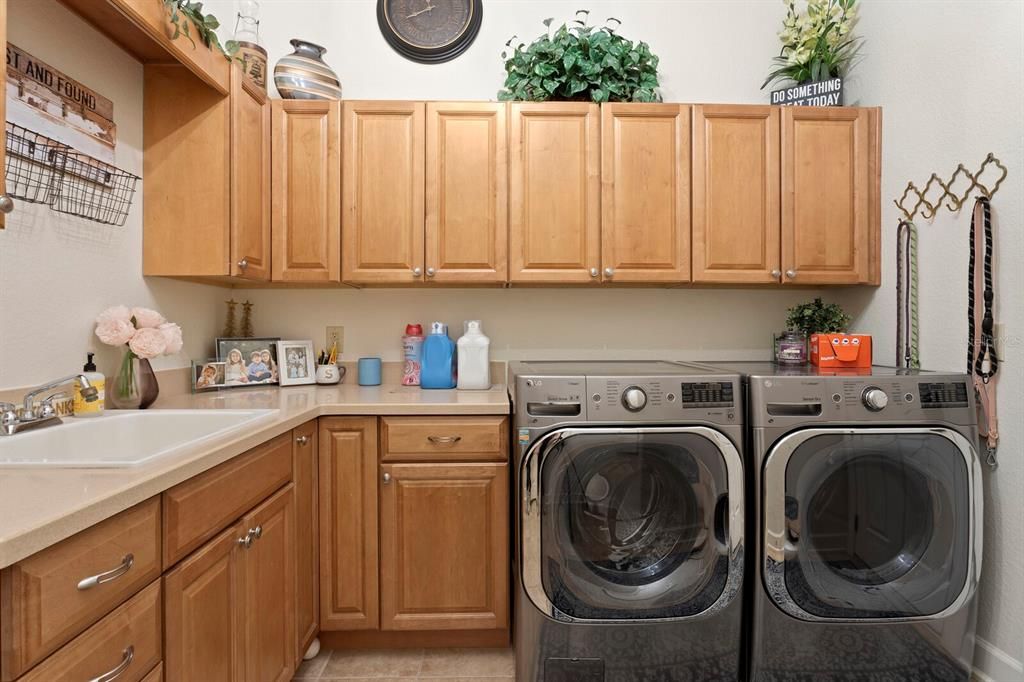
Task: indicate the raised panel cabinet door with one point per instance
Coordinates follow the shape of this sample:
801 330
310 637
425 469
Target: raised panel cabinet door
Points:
444 546
736 194
204 612
307 538
382 192
270 589
826 188
250 179
554 193
467 193
348 523
306 182
645 192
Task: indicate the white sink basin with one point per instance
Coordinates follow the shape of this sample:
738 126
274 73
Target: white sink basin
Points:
122 438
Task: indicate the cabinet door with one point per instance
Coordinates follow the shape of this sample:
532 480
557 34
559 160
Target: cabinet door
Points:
735 193
250 179
382 192
270 589
444 547
204 614
307 556
467 193
826 187
554 193
645 194
3 106
306 181
348 523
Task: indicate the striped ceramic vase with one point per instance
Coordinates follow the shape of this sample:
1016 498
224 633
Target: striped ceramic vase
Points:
303 74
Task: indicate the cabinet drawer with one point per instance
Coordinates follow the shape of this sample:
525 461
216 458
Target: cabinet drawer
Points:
155 675
410 439
128 639
199 508
48 597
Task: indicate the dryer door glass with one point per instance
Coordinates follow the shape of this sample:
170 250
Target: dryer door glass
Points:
634 525
877 525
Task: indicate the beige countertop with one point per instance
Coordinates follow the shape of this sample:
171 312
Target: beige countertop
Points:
40 507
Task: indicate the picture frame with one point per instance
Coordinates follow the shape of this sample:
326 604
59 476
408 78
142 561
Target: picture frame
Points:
297 362
248 361
207 375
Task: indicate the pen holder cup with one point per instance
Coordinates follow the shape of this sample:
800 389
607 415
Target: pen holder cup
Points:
329 374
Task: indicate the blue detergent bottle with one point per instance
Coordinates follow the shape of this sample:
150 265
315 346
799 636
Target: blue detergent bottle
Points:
438 370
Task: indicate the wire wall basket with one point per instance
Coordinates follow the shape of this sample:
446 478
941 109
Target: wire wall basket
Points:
30 164
42 170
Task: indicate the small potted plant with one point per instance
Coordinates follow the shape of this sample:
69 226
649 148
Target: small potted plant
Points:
144 334
803 320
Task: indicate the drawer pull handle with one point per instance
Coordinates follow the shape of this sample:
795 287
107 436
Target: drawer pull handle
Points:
113 574
444 440
126 660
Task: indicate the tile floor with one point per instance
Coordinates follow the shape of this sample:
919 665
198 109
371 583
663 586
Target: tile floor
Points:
438 665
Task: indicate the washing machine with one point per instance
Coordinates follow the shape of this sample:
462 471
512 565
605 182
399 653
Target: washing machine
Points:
629 522
868 523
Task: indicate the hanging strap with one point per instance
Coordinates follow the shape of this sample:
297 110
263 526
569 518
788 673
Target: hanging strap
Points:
907 354
982 359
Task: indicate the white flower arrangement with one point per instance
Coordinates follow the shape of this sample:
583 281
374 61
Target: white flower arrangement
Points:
817 44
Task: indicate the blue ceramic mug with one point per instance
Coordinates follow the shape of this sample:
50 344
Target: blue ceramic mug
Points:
369 371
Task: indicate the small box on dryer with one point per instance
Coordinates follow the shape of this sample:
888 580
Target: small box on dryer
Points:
841 350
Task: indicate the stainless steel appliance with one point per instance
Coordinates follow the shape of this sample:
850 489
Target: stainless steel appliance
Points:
630 518
869 514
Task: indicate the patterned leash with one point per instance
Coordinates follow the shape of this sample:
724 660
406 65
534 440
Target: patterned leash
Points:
982 359
907 354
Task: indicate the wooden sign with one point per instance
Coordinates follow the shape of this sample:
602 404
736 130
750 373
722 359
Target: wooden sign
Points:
61 101
819 94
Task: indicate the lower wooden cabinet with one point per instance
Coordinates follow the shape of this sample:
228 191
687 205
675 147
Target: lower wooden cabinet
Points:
307 538
444 546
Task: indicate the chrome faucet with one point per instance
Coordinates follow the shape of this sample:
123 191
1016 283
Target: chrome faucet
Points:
30 418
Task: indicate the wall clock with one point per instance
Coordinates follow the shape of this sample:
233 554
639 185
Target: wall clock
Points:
429 31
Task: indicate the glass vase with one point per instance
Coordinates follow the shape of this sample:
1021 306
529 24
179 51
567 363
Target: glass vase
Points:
135 386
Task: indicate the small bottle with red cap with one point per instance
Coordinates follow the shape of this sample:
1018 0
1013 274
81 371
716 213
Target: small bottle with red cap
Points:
412 348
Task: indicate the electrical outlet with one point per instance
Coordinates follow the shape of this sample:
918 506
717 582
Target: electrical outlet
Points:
335 335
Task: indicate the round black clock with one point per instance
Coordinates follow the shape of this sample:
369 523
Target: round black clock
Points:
429 31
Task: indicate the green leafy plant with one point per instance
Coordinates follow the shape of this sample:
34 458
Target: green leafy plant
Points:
816 45
181 11
817 317
581 63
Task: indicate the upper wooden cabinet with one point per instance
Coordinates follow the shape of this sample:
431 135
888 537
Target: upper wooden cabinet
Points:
827 188
382 192
554 193
645 195
306 182
3 105
735 194
250 179
466 193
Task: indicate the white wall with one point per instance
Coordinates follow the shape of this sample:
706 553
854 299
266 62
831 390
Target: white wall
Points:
58 272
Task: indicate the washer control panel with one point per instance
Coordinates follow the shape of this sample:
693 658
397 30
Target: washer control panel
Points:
707 394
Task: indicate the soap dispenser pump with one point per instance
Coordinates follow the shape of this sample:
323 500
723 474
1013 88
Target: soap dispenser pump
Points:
81 407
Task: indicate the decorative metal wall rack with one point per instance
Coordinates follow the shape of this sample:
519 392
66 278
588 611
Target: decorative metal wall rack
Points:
42 170
953 198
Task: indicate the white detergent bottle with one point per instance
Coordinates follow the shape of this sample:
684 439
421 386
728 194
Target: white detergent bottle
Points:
474 358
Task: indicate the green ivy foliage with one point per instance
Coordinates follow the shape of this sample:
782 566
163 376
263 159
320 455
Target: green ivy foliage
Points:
206 25
817 317
583 63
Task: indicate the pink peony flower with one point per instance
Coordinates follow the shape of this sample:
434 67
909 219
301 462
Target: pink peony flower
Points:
115 332
148 343
172 337
145 317
117 313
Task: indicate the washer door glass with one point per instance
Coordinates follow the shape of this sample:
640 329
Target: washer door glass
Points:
634 525
878 525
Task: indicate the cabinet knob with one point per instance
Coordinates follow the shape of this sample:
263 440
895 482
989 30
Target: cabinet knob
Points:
431 272
791 274
302 440
245 540
608 272
256 532
594 272
417 271
387 478
776 274
6 203
243 264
